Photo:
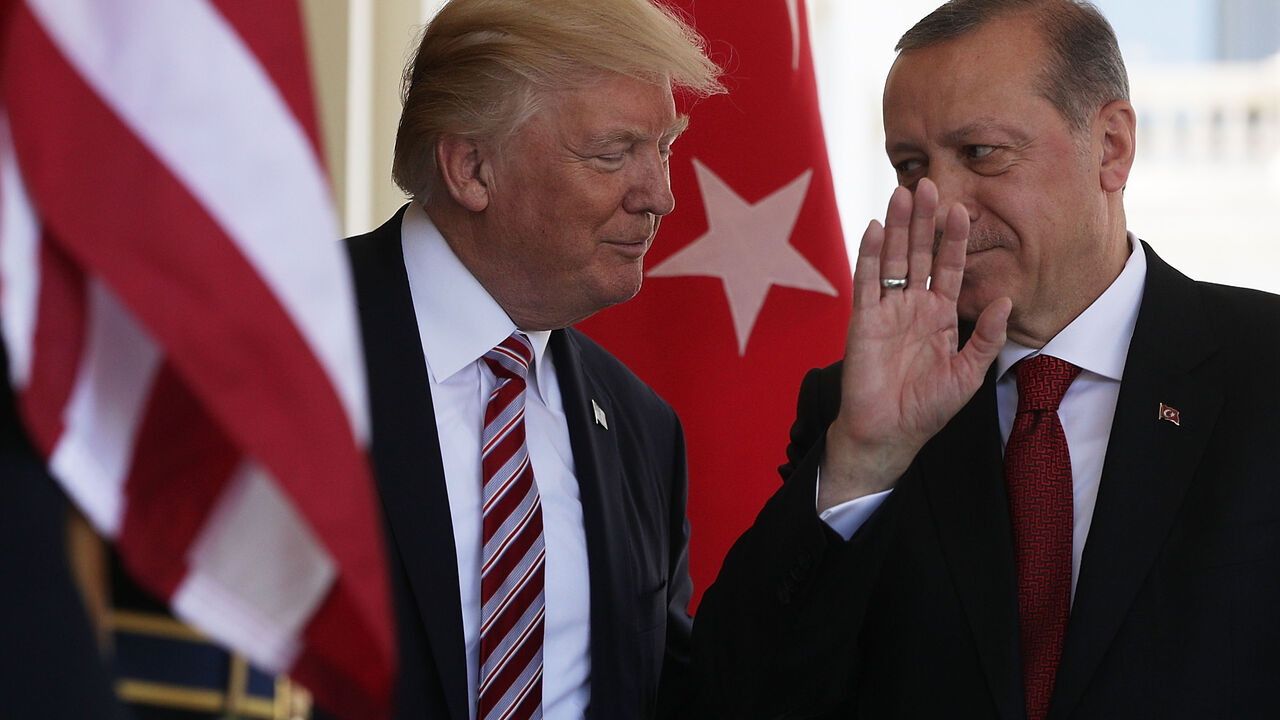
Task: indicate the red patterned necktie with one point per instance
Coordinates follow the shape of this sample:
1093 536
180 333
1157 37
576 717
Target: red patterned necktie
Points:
511 577
1037 472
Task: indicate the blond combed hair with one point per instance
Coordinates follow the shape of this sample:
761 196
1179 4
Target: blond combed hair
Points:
483 67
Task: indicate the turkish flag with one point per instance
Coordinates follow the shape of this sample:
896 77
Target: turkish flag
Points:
747 285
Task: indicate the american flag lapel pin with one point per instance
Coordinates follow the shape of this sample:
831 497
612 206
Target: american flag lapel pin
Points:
603 421
1170 414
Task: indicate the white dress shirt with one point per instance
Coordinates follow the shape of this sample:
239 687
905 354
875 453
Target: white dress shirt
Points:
1098 342
458 322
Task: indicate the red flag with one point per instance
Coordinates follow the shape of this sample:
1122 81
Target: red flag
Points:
747 285
180 323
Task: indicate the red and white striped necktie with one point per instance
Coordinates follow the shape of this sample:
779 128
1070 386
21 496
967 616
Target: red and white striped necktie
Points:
511 578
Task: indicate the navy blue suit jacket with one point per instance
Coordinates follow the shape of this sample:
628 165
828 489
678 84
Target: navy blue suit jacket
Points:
50 666
633 486
1177 605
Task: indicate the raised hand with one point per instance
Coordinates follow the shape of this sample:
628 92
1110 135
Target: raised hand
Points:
903 376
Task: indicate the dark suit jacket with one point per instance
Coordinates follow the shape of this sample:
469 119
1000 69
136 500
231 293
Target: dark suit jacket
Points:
633 488
1177 606
50 666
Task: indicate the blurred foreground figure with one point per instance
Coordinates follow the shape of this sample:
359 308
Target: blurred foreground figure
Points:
182 343
50 666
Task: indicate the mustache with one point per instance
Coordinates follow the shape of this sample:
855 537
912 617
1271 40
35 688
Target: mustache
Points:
979 239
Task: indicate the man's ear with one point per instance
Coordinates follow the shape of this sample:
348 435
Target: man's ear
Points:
462 168
1117 123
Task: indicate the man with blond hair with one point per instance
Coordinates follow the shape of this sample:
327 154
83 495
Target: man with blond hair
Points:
534 488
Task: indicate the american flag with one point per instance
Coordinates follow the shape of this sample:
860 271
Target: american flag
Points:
180 323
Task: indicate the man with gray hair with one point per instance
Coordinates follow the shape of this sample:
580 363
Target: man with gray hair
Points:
1044 481
534 488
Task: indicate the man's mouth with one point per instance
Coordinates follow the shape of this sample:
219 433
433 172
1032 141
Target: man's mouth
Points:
634 248
976 243
984 240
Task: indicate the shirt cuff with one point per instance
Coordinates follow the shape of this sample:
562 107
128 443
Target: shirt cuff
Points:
848 516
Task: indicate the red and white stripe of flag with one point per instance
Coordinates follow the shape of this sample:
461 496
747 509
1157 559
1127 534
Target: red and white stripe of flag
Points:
181 327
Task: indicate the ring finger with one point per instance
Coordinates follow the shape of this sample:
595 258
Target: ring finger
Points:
897 222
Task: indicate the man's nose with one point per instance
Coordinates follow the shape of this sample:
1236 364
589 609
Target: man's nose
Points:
954 186
652 188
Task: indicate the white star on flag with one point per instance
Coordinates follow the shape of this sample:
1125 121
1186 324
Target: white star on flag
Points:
747 246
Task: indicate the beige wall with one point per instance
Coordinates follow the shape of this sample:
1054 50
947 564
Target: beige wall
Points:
358 51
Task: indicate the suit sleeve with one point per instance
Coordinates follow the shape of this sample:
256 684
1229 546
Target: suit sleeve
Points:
675 685
776 635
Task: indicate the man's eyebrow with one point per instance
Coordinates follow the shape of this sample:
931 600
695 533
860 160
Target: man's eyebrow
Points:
677 128
901 147
979 127
964 135
614 137
628 136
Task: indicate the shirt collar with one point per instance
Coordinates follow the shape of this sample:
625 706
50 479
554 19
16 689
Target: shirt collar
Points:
457 318
1098 339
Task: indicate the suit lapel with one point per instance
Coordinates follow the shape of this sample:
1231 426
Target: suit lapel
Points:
972 517
1149 464
597 466
406 452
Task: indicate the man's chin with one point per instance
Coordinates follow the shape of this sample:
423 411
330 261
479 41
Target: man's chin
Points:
618 291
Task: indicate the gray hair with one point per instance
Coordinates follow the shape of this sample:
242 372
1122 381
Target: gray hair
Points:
1084 70
483 67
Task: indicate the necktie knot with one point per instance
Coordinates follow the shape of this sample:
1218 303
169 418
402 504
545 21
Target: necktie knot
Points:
1042 381
511 358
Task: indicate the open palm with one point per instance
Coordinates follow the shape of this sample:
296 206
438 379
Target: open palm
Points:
904 376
